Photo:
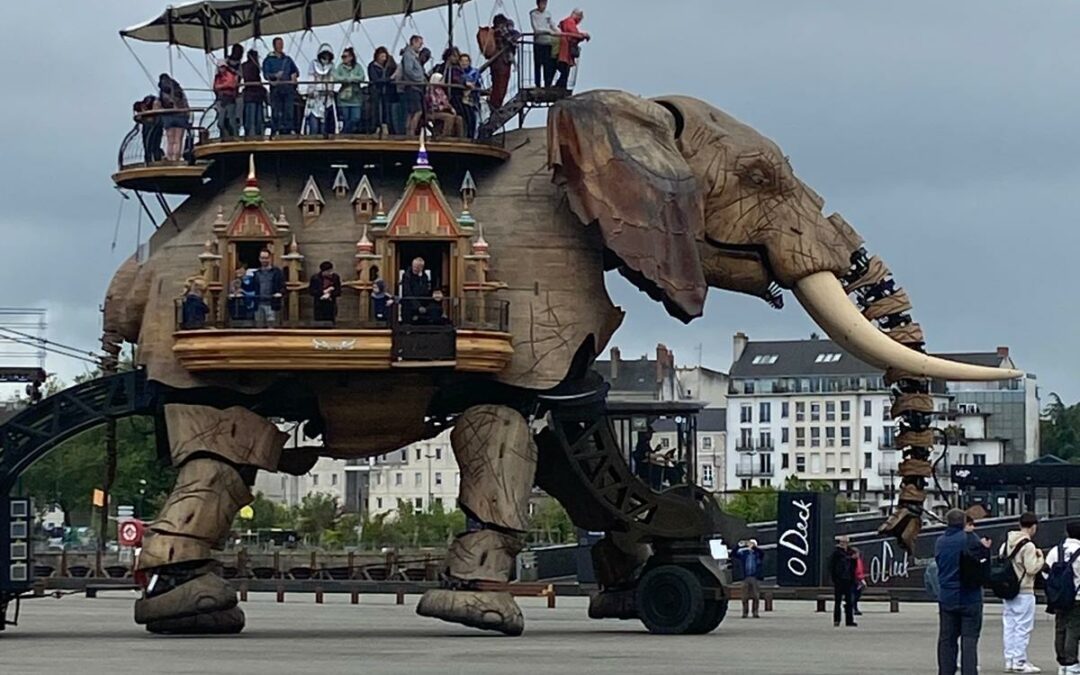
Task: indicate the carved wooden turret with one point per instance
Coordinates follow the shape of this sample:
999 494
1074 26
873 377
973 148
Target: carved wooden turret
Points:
364 201
311 201
293 262
341 183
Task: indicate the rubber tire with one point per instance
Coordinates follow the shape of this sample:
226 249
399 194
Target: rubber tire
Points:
715 611
671 601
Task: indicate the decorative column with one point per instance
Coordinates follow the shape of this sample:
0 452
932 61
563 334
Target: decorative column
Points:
365 258
294 284
210 271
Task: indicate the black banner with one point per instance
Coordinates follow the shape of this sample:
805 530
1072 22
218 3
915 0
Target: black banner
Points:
805 526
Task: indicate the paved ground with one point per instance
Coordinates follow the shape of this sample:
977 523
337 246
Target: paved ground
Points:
77 635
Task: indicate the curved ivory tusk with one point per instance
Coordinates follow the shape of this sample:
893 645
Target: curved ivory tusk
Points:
823 297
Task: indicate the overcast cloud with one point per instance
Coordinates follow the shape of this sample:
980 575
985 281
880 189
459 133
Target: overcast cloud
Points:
945 132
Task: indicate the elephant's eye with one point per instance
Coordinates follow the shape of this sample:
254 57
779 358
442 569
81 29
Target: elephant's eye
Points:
758 174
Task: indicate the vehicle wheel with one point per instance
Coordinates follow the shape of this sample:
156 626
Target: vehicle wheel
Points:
715 611
671 601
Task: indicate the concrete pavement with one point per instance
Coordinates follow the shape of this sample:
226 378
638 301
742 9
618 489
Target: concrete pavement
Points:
90 636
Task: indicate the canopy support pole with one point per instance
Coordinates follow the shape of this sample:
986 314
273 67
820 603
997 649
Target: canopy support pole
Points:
450 21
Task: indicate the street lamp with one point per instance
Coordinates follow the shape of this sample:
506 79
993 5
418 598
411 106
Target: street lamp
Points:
142 495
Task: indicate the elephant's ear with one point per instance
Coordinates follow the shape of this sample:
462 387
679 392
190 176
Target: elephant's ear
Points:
617 157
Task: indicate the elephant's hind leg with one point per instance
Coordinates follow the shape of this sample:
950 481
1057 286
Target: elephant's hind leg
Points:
497 457
214 449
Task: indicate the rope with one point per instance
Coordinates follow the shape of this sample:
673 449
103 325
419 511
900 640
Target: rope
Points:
138 234
153 82
193 67
48 346
119 215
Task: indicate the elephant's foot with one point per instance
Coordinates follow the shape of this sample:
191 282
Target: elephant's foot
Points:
613 604
476 609
223 622
203 603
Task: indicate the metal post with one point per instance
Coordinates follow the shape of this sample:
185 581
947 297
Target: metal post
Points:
450 22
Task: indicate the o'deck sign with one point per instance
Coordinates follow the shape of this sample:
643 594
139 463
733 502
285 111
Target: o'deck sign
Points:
804 537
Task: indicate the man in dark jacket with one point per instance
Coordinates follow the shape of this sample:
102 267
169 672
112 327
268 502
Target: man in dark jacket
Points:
415 290
325 288
842 570
753 569
269 283
958 553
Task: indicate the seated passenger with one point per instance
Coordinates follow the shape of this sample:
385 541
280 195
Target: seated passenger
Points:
381 302
441 112
241 295
325 288
415 290
193 310
436 313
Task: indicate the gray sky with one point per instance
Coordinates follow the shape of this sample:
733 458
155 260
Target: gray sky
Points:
946 133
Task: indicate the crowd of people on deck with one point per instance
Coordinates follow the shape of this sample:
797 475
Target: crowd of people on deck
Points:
256 297
254 95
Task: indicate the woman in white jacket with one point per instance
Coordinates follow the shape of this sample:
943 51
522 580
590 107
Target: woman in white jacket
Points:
319 109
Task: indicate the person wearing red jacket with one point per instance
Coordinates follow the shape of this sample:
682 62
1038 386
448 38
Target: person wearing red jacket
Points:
570 46
226 89
860 581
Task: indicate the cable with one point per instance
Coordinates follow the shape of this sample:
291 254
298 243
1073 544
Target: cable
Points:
44 340
95 361
119 215
153 82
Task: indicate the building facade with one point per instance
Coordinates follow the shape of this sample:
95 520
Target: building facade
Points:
810 410
423 474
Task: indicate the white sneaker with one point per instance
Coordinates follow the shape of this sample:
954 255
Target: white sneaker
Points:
1026 667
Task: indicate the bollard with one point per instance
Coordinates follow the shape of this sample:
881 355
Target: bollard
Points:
354 596
318 595
243 590
280 590
768 602
401 597
550 593
821 604
894 605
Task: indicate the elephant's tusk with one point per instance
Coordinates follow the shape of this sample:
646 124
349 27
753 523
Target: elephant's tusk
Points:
823 297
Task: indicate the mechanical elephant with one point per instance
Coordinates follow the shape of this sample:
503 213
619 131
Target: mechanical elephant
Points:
673 193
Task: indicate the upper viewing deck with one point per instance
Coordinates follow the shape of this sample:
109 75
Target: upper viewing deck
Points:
277 103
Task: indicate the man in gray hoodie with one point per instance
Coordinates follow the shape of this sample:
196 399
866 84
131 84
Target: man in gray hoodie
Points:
413 82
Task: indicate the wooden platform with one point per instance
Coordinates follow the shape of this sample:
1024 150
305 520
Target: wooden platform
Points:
181 179
367 144
278 349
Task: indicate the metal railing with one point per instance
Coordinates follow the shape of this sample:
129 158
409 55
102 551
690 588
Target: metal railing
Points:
296 309
383 112
754 447
744 471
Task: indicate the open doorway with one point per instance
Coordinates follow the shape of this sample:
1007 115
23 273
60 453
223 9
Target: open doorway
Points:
247 253
436 256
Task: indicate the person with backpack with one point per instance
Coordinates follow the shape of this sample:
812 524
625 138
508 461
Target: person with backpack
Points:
1013 580
963 562
1062 582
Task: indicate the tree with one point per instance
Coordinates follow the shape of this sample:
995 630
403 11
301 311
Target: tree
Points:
550 524
316 514
1059 430
756 505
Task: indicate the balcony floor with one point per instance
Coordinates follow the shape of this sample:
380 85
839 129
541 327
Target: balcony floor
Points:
276 349
340 143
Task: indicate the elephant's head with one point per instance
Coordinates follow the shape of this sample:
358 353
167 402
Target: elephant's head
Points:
687 197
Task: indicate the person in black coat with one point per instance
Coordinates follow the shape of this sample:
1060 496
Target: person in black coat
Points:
415 291
842 571
325 288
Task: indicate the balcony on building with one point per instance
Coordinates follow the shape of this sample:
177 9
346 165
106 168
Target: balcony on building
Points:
750 471
754 447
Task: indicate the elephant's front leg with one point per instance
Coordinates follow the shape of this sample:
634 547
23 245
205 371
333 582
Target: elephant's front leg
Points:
218 453
497 457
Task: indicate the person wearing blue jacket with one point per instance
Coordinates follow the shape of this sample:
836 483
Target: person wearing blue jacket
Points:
281 72
962 564
752 559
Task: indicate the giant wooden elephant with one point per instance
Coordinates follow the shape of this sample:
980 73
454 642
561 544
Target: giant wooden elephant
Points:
675 194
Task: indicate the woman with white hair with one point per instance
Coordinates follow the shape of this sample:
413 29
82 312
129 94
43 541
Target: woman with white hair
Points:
570 46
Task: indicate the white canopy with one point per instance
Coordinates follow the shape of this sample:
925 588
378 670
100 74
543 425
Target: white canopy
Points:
213 24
